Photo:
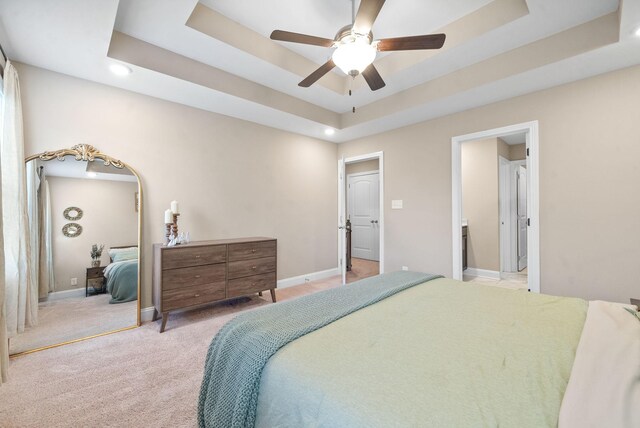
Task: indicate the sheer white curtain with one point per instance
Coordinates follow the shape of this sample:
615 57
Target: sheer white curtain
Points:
21 292
45 278
4 344
33 212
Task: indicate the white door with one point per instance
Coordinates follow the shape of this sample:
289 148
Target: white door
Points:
522 218
363 207
342 231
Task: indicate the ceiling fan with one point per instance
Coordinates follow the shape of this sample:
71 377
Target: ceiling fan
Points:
355 48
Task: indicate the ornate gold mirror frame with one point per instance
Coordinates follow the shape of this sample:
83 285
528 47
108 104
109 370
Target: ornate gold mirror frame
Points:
88 153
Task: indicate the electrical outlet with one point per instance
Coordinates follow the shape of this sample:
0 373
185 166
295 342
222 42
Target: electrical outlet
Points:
405 267
74 281
307 280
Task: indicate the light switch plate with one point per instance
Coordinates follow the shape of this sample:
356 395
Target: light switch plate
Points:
396 204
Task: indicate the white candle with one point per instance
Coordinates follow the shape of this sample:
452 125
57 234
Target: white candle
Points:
174 207
168 216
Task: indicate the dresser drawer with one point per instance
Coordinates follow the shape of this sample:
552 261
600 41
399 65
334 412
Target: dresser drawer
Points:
251 284
193 256
191 296
243 268
189 276
252 250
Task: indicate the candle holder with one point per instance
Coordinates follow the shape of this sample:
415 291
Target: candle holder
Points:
167 232
174 226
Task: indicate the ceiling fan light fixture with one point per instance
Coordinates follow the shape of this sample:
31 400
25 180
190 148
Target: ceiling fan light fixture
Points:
354 54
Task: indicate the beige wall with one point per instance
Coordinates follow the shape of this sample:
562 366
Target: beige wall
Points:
365 166
480 204
232 178
517 152
109 218
589 172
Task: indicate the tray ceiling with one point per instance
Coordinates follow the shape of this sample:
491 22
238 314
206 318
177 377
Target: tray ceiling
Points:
216 54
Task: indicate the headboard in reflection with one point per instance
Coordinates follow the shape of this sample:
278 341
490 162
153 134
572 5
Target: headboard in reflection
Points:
78 198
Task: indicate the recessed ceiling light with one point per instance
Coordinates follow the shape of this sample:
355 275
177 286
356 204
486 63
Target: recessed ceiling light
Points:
638 32
120 69
329 131
92 174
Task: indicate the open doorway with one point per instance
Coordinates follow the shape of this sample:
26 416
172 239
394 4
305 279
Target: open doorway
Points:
361 216
495 207
494 211
363 219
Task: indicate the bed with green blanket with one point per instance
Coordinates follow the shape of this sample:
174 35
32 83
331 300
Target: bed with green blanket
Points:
122 281
398 350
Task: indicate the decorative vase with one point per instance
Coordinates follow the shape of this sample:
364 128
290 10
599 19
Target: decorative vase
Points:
95 263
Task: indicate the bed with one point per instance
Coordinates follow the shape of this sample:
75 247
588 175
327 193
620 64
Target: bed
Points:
122 274
408 349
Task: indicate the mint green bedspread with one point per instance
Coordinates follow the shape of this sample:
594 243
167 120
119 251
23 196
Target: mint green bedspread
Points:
440 354
241 349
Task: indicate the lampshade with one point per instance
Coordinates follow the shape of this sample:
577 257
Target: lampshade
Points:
354 55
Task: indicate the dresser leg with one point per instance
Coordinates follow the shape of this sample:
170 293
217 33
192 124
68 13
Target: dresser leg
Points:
260 293
273 294
155 315
165 317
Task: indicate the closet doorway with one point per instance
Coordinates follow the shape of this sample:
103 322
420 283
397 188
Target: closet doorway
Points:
360 217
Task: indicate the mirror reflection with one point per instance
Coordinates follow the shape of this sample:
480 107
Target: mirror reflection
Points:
84 223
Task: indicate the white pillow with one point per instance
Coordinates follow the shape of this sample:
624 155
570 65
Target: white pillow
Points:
122 254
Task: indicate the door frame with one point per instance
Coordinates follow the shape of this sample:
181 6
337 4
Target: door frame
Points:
342 202
533 232
508 240
360 174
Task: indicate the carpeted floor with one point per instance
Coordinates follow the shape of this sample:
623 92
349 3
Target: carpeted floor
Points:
68 319
136 378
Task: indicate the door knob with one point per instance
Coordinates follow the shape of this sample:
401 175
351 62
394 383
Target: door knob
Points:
372 221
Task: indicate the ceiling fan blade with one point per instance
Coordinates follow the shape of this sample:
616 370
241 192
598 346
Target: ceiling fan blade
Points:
373 78
430 41
287 36
316 75
366 16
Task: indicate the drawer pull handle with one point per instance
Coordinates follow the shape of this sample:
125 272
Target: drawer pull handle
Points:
197 257
254 284
253 251
254 267
197 295
197 276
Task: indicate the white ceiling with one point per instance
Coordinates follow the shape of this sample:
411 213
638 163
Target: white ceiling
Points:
516 50
324 18
514 139
70 168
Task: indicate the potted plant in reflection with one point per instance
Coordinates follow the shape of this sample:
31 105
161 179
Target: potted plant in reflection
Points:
96 254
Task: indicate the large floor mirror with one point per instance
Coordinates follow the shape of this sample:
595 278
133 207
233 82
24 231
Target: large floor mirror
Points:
85 223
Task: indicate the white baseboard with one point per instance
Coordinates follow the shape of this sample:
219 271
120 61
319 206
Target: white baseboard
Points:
481 273
65 294
146 314
315 276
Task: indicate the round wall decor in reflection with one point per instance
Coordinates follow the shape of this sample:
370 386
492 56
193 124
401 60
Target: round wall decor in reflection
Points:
73 213
71 230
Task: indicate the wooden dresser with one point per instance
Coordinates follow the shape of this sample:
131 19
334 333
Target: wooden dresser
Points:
204 272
